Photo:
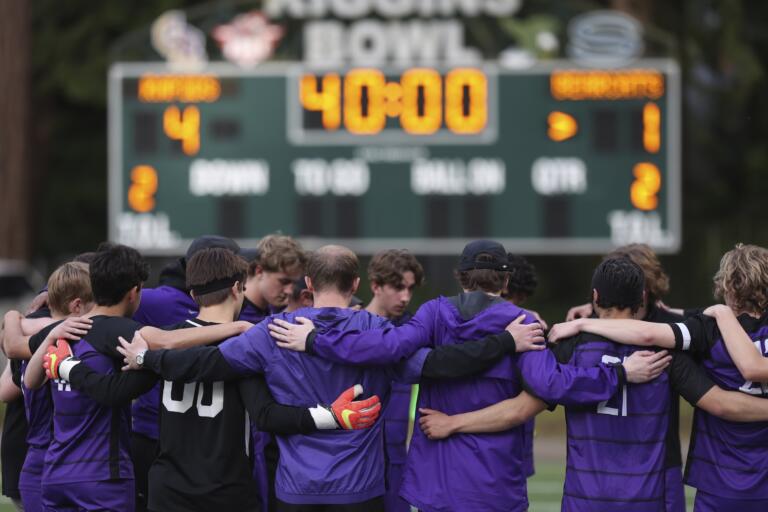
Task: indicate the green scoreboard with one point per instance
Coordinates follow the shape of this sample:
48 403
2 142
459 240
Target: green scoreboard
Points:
549 159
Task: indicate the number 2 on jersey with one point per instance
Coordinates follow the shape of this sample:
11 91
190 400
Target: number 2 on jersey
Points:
216 392
602 407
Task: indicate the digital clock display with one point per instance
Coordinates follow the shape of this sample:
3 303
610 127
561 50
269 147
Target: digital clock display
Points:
419 102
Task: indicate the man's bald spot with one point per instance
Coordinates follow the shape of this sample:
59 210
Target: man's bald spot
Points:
333 266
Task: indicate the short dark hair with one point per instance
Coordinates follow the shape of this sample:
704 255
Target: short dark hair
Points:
114 271
487 280
522 277
209 265
619 283
333 266
85 257
388 267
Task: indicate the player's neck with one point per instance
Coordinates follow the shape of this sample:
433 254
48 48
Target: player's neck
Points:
219 313
490 294
375 308
116 310
616 314
253 295
331 299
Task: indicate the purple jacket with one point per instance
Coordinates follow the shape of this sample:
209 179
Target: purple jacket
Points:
327 467
159 307
469 471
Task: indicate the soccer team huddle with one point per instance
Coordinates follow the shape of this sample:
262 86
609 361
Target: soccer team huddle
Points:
255 380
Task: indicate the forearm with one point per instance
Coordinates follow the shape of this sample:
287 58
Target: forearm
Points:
114 389
734 405
377 347
465 359
186 338
564 384
750 362
190 365
9 391
498 417
271 416
630 332
16 344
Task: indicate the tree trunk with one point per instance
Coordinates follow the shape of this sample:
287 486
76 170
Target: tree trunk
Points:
15 226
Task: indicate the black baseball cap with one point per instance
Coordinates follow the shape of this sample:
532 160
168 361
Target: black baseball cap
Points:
212 242
496 256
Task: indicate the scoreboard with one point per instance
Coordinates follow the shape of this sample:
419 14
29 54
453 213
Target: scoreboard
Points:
549 159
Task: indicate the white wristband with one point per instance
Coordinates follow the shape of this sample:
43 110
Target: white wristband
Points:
66 366
324 419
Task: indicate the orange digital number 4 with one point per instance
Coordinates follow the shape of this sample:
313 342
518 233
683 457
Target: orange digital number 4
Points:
644 190
183 126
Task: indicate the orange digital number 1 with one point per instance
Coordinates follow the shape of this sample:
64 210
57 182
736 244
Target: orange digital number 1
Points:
183 126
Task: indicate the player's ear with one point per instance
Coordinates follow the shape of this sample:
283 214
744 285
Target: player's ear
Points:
594 296
308 280
375 287
76 306
355 285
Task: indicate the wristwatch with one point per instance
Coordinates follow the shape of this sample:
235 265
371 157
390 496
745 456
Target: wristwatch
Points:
140 357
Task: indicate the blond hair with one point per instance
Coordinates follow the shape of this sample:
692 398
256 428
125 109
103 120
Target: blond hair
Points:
742 280
656 280
69 282
279 253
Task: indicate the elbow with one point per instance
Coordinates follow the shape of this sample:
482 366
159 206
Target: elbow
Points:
754 373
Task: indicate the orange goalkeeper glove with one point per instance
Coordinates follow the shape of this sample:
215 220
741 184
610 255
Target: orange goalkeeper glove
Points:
355 415
56 355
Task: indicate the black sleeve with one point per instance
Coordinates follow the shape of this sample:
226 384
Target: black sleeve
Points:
465 359
563 350
43 312
271 416
38 338
688 378
687 313
695 335
16 372
194 364
113 389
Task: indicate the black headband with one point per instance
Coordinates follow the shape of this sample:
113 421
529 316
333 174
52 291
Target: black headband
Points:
216 285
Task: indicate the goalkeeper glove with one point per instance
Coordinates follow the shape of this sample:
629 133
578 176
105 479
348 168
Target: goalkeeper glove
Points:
57 355
346 413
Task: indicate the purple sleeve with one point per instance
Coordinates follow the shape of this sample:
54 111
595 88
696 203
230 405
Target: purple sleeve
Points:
378 346
249 352
409 371
565 384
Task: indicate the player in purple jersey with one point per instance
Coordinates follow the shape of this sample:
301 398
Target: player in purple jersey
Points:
393 276
320 470
87 465
726 461
479 472
654 310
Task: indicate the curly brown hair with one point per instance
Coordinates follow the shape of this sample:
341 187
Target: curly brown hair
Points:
278 253
656 280
742 280
388 267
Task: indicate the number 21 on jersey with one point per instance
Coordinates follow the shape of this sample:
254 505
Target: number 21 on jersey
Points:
214 390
